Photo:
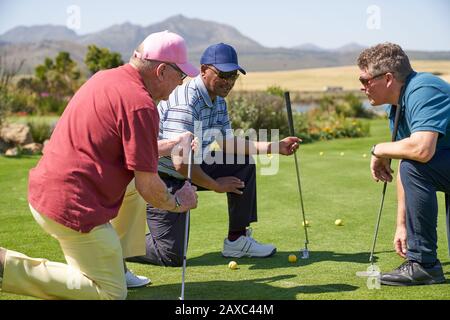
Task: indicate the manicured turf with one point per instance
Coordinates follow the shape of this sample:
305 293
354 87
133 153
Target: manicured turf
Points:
334 187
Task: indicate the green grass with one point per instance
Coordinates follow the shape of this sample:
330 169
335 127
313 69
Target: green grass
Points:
334 186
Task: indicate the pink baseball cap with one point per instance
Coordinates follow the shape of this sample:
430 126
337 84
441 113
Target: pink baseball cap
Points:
169 47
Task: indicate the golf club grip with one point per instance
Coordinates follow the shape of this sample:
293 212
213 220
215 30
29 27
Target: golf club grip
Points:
396 121
287 98
191 161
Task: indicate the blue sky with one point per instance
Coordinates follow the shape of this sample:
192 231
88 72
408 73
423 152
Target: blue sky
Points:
414 24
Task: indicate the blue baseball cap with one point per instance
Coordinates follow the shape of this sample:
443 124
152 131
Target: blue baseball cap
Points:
222 56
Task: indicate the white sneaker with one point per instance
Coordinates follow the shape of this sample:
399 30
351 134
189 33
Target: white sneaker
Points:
247 246
134 281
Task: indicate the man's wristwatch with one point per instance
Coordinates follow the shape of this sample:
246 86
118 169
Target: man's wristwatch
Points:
372 151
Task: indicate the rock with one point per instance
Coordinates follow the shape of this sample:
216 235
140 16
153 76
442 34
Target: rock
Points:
32 148
13 152
16 133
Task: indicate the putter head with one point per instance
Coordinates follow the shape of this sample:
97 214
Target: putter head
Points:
305 253
372 271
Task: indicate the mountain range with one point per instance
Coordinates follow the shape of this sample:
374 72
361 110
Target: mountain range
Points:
35 43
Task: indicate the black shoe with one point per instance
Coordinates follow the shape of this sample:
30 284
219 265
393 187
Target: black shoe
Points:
411 273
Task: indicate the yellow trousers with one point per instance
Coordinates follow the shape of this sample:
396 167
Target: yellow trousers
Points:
130 223
94 268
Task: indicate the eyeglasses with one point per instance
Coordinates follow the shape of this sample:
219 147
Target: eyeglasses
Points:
365 81
229 76
182 74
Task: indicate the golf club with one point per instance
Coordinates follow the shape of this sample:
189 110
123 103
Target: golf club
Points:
305 252
186 230
371 270
394 136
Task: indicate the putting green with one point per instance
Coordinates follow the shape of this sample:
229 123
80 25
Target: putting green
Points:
334 187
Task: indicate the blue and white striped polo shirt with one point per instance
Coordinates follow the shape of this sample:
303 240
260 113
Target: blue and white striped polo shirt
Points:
189 108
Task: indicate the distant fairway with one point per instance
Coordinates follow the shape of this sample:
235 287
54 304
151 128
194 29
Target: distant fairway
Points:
317 79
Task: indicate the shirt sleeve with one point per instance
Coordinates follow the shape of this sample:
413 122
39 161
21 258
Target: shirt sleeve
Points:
177 119
429 110
139 138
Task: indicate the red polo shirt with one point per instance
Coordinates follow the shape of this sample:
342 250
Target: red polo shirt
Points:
109 128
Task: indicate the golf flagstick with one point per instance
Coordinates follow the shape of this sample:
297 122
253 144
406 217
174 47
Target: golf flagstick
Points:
186 230
372 271
305 252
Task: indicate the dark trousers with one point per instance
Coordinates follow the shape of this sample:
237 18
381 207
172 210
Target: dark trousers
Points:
421 181
165 241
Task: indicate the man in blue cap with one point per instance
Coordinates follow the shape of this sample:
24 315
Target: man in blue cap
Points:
200 105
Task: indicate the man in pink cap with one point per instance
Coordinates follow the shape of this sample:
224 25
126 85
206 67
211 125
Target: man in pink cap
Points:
106 137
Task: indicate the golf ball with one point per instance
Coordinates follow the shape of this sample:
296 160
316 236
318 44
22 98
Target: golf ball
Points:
233 265
339 222
305 223
342 154
292 258
364 155
321 153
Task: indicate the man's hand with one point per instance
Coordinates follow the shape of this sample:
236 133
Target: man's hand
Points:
381 169
229 184
288 145
187 197
400 241
186 140
170 147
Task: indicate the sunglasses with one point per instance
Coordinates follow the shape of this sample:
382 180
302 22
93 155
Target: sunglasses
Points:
229 76
174 66
365 81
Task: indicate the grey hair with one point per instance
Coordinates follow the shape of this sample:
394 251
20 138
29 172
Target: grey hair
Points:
385 57
142 64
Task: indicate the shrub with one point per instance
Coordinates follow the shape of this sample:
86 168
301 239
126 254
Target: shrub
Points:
40 130
7 72
22 101
260 110
338 126
101 58
54 82
348 106
50 105
275 91
356 108
302 127
257 110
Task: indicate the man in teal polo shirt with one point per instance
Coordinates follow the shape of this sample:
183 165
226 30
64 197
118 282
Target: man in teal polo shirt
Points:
423 145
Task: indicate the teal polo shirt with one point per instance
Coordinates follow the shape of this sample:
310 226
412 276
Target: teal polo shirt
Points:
425 103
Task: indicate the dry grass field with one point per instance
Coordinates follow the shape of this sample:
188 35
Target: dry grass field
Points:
317 79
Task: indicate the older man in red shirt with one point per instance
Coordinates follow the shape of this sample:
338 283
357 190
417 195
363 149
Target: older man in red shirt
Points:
106 137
